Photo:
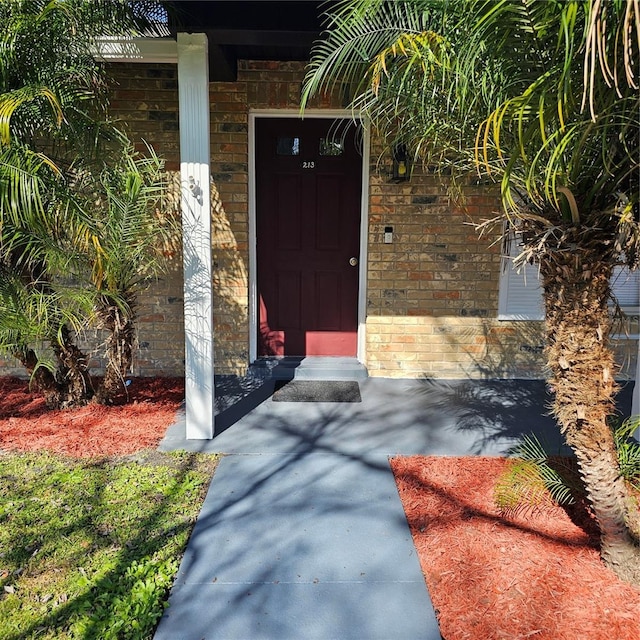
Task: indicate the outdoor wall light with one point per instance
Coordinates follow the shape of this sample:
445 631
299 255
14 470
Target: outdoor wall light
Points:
401 165
195 189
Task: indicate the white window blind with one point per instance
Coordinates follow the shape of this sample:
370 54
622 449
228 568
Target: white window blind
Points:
625 286
520 295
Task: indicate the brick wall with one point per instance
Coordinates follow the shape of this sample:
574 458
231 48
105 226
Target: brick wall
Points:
144 100
230 173
432 295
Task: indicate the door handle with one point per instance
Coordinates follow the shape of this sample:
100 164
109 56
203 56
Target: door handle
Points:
353 261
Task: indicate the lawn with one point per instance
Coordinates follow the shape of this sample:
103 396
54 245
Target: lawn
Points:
90 547
93 519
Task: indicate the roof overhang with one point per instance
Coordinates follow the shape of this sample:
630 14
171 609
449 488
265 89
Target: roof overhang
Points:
150 49
282 30
251 30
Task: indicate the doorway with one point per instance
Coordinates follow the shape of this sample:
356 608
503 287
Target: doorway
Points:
308 189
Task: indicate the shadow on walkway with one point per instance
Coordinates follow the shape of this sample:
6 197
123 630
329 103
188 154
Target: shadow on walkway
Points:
302 534
407 417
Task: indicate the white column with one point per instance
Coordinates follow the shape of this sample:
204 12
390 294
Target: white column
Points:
193 92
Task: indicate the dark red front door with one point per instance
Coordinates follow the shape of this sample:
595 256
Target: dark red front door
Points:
308 190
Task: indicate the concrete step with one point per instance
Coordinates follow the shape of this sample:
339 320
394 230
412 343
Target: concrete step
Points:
310 368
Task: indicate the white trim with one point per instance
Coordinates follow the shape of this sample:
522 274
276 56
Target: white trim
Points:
364 244
253 247
364 215
120 49
195 171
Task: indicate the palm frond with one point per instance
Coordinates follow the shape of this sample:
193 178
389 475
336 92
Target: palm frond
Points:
25 176
535 479
12 101
500 87
33 311
357 33
535 121
522 488
131 237
612 47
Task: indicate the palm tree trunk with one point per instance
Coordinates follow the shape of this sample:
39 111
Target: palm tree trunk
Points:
70 384
576 291
44 381
73 371
119 352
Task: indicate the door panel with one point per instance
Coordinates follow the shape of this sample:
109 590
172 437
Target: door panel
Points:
327 287
289 198
289 287
328 213
308 193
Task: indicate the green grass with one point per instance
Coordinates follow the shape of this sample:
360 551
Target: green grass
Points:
89 548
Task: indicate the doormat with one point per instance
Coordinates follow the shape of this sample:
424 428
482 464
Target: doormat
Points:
317 391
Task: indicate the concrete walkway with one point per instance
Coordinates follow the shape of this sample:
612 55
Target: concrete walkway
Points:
302 535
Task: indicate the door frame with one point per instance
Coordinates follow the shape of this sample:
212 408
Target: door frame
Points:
342 114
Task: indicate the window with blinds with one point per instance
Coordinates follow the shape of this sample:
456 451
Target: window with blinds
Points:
520 294
625 286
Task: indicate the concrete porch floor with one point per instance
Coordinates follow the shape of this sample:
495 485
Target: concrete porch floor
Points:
302 535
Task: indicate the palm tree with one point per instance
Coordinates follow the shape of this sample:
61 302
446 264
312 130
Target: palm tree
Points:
54 137
137 233
542 97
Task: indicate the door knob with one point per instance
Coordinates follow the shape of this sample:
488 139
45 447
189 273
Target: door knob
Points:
353 261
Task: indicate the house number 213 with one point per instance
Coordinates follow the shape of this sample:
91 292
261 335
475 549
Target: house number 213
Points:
308 165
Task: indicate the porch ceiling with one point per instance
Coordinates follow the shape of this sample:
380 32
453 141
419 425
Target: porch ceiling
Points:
250 30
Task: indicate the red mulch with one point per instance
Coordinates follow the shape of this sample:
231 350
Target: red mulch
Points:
532 576
94 430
